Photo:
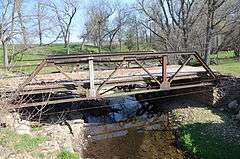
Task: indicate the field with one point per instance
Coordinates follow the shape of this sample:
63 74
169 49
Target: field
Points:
226 63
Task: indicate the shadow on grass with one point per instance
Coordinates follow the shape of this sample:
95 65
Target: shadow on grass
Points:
200 143
215 140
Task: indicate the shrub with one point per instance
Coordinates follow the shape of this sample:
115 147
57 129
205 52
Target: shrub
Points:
64 154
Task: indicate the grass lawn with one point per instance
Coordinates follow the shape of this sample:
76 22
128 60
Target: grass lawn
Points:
228 67
223 55
40 52
202 144
20 143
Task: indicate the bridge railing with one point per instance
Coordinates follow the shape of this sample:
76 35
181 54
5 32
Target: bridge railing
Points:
123 61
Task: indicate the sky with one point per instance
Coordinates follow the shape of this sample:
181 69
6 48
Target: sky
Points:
78 23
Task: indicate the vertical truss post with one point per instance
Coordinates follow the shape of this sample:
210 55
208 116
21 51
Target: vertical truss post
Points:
165 83
92 91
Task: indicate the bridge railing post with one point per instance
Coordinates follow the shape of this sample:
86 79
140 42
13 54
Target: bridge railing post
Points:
165 83
92 91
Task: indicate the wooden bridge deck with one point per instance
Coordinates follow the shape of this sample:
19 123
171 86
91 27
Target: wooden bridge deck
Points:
66 87
122 75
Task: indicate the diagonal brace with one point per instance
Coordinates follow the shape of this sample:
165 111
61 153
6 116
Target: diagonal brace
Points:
33 74
176 73
110 76
205 65
154 78
67 76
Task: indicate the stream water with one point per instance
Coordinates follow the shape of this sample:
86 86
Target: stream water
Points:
131 129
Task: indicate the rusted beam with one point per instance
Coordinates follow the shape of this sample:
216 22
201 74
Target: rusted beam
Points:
80 88
154 78
71 100
110 76
61 70
103 57
211 73
165 83
184 64
33 74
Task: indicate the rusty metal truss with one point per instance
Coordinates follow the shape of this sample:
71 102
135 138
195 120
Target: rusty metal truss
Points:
129 73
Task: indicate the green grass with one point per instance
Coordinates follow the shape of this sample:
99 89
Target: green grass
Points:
22 143
64 154
59 49
202 144
228 67
40 52
223 55
29 143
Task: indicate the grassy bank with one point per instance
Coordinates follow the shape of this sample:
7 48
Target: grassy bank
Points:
201 143
207 133
226 64
228 67
20 143
28 146
36 51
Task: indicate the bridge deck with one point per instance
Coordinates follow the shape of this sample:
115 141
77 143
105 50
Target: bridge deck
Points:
139 76
122 75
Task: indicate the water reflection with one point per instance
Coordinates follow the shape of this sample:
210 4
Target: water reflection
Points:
130 129
122 108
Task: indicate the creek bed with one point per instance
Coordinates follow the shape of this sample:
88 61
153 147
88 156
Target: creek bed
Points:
131 132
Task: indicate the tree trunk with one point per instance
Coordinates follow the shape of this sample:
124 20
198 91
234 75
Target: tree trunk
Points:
23 28
83 43
65 41
110 44
185 40
5 55
150 33
68 42
138 47
209 30
208 37
120 44
207 50
99 37
39 26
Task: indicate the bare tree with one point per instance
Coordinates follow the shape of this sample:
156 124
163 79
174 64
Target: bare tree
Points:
171 18
212 7
184 14
45 23
116 24
9 10
65 13
97 22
